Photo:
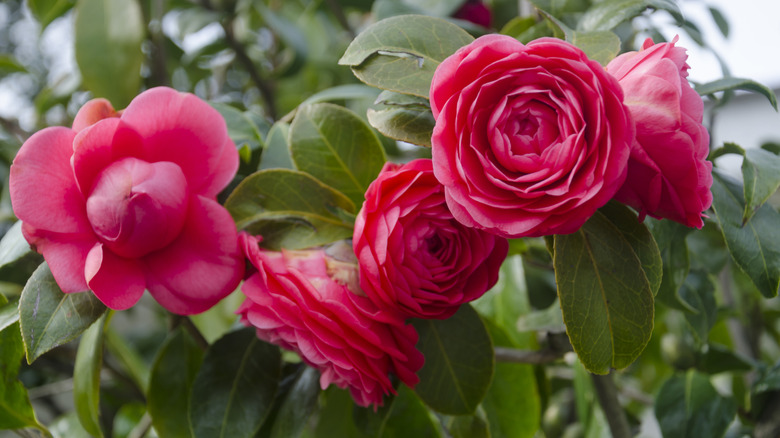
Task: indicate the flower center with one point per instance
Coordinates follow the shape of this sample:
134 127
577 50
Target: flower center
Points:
137 207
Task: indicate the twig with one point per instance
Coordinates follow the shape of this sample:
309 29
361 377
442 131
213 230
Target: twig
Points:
607 395
339 13
142 428
535 357
13 128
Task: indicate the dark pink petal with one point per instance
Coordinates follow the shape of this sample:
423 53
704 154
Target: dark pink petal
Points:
65 253
43 192
117 282
99 145
202 266
183 129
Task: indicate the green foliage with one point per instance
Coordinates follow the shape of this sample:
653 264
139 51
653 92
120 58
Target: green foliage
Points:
297 405
403 117
731 84
86 377
607 15
401 53
458 362
607 273
50 318
689 406
17 260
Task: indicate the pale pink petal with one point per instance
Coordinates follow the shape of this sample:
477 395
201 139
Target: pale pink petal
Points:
117 282
65 254
43 191
92 112
202 266
227 166
183 129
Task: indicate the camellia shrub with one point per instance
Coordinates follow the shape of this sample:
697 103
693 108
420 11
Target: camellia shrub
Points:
382 219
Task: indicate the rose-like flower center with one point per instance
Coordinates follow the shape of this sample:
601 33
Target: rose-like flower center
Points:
137 207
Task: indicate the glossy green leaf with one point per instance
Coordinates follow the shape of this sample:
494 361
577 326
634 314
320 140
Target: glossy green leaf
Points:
335 415
46 11
727 148
402 416
512 405
342 92
86 377
517 26
761 176
129 358
699 292
670 237
601 45
403 117
234 390
607 15
16 411
50 318
242 128
337 147
290 209
719 359
458 365
277 150
606 298
108 37
9 312
689 406
720 20
17 259
174 370
755 247
298 405
731 84
401 53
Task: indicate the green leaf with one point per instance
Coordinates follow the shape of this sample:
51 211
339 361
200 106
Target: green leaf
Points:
607 15
170 384
277 152
241 127
290 209
720 20
402 416
129 358
9 313
86 377
670 237
403 117
335 415
719 359
108 37
727 148
401 53
17 260
730 84
761 174
699 292
606 298
8 64
458 365
50 318
754 246
601 46
298 405
234 390
512 404
16 411
128 418
46 11
470 426
342 92
335 146
689 406
517 26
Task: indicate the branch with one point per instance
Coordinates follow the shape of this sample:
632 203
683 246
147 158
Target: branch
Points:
342 19
534 357
608 399
12 127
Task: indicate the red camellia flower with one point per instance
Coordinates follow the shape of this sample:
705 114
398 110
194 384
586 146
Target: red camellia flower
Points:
300 301
414 257
123 203
668 174
530 140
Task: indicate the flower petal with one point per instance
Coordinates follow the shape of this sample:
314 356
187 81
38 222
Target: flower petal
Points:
202 266
117 282
92 112
43 191
65 254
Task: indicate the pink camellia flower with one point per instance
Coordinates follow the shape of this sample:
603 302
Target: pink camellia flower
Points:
530 140
414 257
301 301
668 174
123 203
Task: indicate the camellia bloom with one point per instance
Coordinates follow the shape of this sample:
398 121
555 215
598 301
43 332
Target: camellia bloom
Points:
300 301
476 12
668 174
414 257
123 203
530 140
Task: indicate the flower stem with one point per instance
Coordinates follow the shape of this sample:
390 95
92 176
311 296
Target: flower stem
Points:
607 394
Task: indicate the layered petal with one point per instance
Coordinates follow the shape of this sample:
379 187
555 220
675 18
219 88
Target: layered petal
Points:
65 254
118 282
92 112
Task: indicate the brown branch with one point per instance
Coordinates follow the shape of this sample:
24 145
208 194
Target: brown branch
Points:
534 357
607 394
